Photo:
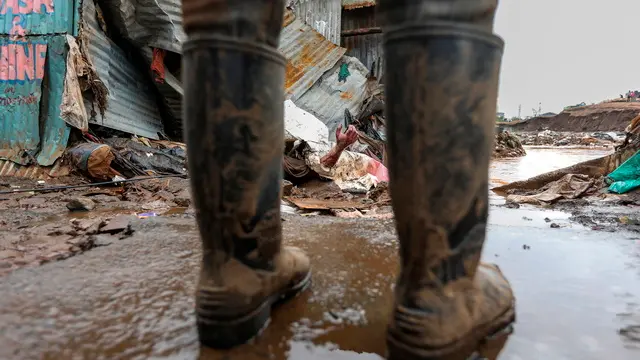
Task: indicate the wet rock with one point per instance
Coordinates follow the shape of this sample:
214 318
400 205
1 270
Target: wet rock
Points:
554 226
81 204
183 198
547 220
165 195
117 224
83 224
101 240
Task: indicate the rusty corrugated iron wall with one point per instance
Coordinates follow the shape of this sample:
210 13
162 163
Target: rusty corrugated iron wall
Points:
365 47
32 68
309 55
322 15
357 4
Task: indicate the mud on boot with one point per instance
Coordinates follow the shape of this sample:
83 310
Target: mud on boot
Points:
234 127
442 66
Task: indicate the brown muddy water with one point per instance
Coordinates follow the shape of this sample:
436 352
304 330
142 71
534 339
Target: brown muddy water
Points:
578 291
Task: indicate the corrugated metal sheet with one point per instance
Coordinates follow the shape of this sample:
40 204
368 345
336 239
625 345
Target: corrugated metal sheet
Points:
155 23
309 55
32 73
37 17
367 48
356 4
9 168
163 18
131 105
329 97
322 15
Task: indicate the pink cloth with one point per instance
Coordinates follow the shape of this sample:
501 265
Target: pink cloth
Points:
377 169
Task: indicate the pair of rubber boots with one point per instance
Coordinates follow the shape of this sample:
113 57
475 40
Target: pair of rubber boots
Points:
442 66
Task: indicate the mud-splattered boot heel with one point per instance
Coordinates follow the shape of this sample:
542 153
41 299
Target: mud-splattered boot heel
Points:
233 78
441 77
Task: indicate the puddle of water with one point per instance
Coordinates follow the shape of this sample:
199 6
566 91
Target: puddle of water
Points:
539 161
135 300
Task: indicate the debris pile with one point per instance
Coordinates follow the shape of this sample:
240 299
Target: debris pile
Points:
554 138
618 173
508 145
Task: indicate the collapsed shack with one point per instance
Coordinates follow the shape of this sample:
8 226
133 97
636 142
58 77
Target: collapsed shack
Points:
580 180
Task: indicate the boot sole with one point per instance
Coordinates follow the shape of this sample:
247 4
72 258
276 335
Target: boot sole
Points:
229 333
475 346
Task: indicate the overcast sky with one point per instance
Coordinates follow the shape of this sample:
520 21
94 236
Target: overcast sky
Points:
564 52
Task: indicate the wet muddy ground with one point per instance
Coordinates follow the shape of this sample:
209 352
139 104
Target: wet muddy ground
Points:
130 296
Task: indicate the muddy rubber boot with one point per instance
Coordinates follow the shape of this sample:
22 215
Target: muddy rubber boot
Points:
442 67
234 126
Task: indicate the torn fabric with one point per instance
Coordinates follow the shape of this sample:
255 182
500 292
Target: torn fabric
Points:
72 109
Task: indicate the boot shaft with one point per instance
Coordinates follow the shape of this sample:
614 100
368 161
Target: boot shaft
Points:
441 91
234 121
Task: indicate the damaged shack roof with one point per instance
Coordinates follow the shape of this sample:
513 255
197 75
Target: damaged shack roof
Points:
356 4
309 55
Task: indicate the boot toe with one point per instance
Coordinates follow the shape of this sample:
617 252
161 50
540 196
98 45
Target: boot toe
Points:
295 264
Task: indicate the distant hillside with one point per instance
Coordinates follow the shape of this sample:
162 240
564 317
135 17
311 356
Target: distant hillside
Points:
613 116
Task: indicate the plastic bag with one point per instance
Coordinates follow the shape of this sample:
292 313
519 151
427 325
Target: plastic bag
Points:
627 176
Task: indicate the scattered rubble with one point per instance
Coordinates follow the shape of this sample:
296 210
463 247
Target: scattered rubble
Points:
553 138
587 184
508 145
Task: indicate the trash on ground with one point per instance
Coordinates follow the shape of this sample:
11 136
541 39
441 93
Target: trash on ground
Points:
94 160
627 176
583 179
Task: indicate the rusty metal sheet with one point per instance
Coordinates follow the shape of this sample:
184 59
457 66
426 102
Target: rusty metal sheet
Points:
31 132
37 17
131 104
331 95
324 16
356 4
11 169
309 55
